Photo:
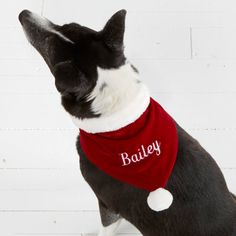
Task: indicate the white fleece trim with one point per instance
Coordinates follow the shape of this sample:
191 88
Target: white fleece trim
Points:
120 119
123 101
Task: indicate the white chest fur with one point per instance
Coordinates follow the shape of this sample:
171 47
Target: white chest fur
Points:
119 97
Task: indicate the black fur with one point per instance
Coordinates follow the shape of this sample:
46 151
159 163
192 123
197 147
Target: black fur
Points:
203 205
74 64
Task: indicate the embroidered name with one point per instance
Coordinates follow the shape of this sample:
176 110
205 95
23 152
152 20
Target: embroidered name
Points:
143 152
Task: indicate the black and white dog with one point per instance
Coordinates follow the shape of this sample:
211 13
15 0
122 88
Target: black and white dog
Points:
95 82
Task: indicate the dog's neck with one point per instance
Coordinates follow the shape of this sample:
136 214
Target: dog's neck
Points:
119 97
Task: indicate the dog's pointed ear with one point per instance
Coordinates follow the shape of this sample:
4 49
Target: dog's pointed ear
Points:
113 32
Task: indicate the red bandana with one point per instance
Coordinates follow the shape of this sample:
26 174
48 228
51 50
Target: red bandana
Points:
142 153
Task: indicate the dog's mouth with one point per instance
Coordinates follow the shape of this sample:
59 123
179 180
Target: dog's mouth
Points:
30 19
37 28
43 35
27 17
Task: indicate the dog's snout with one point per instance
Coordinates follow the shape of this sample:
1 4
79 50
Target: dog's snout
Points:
24 15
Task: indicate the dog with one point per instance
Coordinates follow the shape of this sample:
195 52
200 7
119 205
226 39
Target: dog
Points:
102 92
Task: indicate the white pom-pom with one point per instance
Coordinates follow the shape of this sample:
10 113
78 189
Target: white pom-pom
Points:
160 199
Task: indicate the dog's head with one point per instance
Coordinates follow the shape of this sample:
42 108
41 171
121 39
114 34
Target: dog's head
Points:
73 54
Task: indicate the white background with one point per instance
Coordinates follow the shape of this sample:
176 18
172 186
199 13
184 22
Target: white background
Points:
186 53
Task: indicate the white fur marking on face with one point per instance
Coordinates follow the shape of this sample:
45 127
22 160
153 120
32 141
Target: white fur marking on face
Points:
120 102
46 24
109 230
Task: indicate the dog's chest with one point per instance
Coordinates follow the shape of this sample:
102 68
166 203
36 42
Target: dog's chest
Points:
141 154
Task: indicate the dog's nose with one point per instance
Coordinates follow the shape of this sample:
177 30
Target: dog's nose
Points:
23 15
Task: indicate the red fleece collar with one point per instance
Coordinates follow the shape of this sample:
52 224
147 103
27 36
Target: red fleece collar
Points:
142 153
